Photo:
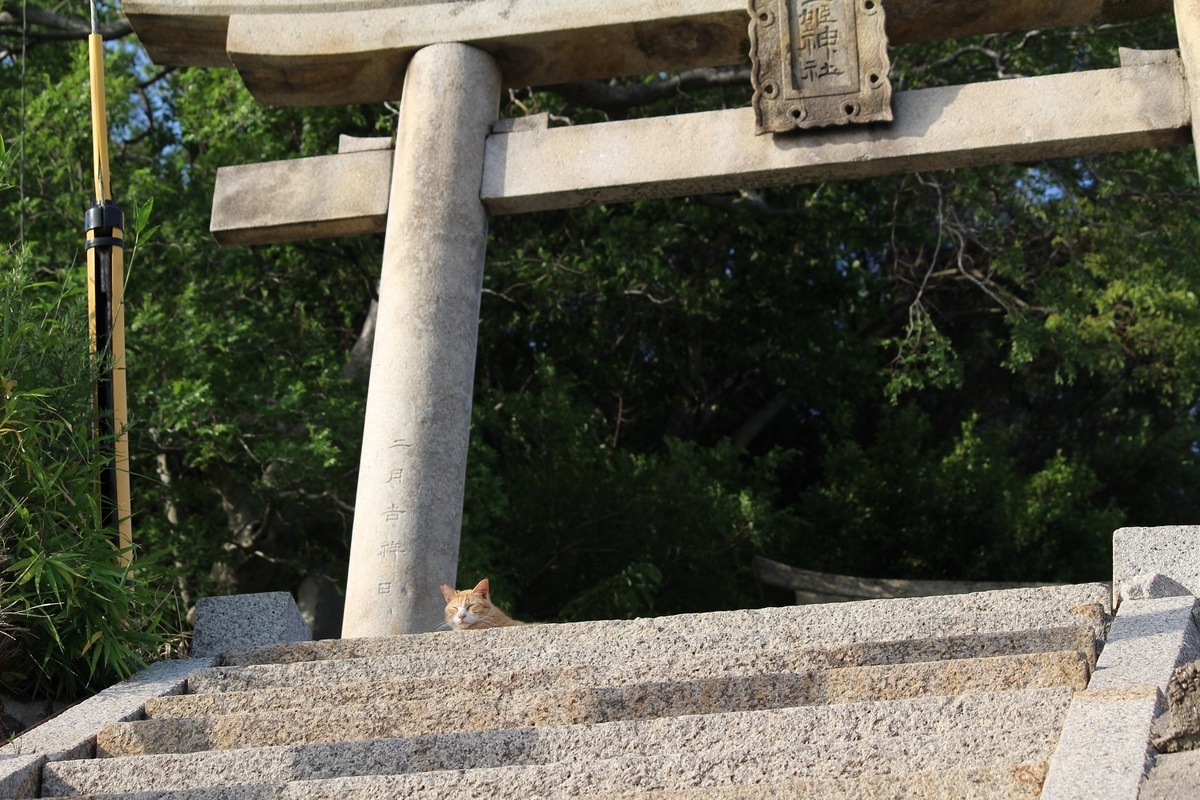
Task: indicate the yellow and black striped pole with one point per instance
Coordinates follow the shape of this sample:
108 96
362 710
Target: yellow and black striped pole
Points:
105 247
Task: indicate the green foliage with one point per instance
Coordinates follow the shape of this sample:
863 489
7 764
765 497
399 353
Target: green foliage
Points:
595 531
963 507
72 620
968 374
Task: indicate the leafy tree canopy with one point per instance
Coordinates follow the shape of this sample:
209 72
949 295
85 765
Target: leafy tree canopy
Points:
974 374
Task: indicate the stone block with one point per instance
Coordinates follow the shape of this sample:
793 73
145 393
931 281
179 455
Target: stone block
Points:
361 144
568 695
838 740
1170 550
609 663
246 620
1104 751
1149 587
21 776
1173 777
1179 728
994 782
380 721
71 734
1132 57
195 32
353 198
876 623
1046 116
1149 639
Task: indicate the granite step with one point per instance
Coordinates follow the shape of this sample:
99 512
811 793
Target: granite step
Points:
995 782
541 697
905 698
999 782
849 739
476 707
780 628
684 660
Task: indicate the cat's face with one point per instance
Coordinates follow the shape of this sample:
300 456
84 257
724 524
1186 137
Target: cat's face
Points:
469 607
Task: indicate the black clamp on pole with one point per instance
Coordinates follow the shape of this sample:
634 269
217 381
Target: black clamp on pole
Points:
99 222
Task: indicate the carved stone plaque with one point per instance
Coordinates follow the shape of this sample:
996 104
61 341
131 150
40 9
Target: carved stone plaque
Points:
818 62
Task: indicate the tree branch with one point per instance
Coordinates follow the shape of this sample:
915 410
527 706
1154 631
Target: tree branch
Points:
37 25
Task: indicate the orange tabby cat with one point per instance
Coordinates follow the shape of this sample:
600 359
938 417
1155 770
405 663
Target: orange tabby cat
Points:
472 608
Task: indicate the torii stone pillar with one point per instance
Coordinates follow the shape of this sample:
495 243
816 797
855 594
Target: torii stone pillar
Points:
1187 25
408 511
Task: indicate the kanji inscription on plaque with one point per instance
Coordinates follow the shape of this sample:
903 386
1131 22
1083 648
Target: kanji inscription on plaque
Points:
818 62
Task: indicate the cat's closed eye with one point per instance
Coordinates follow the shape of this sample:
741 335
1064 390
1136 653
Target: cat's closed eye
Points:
472 608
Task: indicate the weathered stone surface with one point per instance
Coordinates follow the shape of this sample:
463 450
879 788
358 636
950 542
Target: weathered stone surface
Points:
880 720
366 144
1179 727
408 510
1008 781
570 696
1170 550
1175 776
1148 640
818 64
1187 24
304 198
1150 587
384 717
424 674
21 776
356 54
246 620
1001 782
941 128
873 623
71 734
192 32
1004 782
829 740
545 168
1134 57
1104 749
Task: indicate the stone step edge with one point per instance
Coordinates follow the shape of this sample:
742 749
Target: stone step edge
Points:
1025 716
675 772
694 662
576 688
252 731
1005 781
856 619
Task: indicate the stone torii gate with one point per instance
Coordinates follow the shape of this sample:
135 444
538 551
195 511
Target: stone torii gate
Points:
453 164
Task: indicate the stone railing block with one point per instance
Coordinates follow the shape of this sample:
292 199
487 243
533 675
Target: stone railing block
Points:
246 620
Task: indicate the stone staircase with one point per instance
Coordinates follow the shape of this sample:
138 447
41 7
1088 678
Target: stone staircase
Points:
957 696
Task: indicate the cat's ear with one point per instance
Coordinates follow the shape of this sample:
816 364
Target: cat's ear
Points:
482 589
447 593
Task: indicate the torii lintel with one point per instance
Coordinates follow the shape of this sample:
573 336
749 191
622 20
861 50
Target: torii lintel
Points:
337 52
531 167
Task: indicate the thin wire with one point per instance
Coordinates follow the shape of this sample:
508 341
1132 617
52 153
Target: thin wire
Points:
95 18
